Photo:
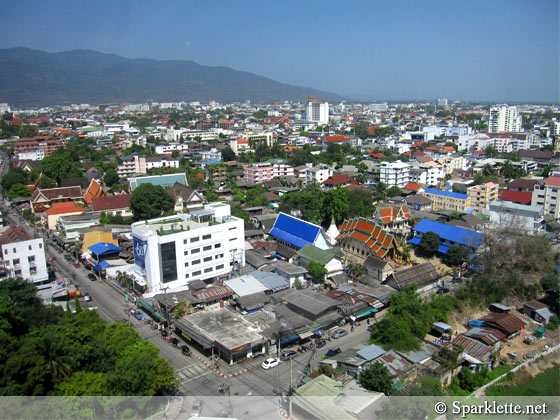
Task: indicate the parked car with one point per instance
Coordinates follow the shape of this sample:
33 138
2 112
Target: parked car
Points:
270 363
140 316
289 354
92 277
339 333
87 298
332 352
196 408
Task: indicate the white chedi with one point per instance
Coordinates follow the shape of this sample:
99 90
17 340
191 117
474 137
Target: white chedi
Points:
332 233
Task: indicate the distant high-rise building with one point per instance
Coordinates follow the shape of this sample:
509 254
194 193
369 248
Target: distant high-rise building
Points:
442 102
505 119
317 111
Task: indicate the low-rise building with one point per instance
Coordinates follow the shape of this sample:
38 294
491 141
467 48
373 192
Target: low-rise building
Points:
394 173
318 174
449 235
505 214
547 195
22 256
447 200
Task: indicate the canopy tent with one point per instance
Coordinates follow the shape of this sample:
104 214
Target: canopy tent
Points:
104 248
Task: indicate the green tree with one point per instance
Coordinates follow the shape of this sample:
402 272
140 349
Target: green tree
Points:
394 191
335 205
111 177
376 377
426 386
457 255
298 284
83 384
47 182
360 203
58 362
228 154
104 218
429 244
150 201
18 190
59 165
12 178
316 270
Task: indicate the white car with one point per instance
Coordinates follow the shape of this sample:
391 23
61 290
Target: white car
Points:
270 363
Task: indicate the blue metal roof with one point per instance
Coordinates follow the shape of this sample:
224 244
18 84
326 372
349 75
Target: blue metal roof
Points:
443 249
371 352
446 193
415 241
270 280
450 233
162 180
101 248
294 231
212 161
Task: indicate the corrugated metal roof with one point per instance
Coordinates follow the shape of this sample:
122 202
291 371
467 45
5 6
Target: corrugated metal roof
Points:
474 348
295 231
371 352
450 233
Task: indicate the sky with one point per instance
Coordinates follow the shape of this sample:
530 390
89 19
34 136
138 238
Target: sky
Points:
490 50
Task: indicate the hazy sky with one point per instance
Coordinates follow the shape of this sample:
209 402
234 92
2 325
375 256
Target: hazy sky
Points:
497 50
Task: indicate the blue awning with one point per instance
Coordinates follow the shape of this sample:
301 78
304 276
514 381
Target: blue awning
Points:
101 266
415 241
443 249
366 312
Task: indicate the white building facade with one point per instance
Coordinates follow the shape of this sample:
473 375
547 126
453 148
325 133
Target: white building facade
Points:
505 119
317 111
23 257
394 173
170 252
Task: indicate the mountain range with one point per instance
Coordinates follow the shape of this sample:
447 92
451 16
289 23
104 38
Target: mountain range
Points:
32 78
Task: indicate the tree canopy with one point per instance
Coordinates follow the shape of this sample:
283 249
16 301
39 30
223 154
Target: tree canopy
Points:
149 201
429 244
48 353
60 165
376 377
111 177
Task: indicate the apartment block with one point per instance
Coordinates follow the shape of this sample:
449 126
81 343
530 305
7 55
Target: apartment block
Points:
547 195
22 256
395 173
447 200
258 173
482 195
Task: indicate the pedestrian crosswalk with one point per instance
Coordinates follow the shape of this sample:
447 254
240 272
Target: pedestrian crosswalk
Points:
194 370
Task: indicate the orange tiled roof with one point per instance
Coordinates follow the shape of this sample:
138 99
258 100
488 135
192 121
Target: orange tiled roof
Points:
63 208
94 190
368 232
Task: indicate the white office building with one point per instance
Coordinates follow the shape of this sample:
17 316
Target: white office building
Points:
317 111
395 173
22 256
170 252
505 119
318 174
547 195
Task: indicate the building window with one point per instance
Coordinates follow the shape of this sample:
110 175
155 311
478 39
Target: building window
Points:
219 267
186 264
16 261
186 252
195 239
17 272
207 270
5 252
168 262
14 250
185 241
233 228
207 259
218 246
207 248
232 239
204 237
219 256
195 251
195 262
29 247
187 275
196 273
31 259
33 270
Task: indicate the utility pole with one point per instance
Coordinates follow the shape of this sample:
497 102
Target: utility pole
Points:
291 378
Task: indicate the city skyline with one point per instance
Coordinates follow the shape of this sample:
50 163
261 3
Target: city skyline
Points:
492 52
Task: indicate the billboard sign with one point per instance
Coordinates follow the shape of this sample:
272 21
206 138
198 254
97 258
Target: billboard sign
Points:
140 251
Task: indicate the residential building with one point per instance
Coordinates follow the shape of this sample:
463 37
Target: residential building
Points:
22 256
394 173
170 252
216 172
317 111
127 168
211 154
254 138
143 164
337 181
505 119
186 198
318 174
547 195
425 175
447 200
505 214
43 145
423 276
377 268
51 215
172 147
114 205
330 258
257 173
481 195
419 202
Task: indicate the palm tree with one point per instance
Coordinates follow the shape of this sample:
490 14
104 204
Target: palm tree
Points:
58 363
